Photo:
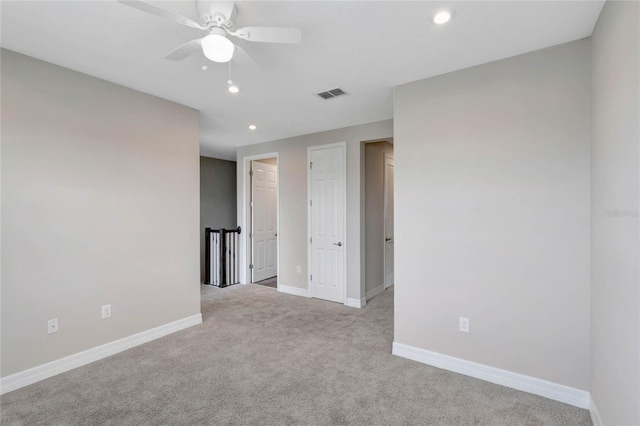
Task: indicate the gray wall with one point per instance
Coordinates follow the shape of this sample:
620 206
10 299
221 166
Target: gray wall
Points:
292 169
217 198
374 213
615 244
492 213
99 206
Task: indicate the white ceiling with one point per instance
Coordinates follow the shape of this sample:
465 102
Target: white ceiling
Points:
364 47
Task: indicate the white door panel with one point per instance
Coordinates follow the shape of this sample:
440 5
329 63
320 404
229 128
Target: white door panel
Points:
263 213
327 204
388 222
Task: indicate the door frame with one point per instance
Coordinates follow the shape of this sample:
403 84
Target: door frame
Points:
265 206
386 157
245 242
342 145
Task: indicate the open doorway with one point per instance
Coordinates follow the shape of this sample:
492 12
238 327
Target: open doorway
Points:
263 214
388 196
379 216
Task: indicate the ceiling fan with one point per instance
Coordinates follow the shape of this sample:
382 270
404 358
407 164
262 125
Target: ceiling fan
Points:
216 18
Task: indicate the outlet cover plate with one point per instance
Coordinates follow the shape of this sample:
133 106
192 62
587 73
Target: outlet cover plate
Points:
464 324
106 311
52 326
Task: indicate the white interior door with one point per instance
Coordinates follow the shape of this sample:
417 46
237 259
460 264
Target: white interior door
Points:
388 221
263 220
327 223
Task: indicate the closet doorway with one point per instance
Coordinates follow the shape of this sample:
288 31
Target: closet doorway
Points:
263 210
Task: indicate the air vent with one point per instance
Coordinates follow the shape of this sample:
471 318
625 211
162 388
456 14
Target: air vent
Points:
333 93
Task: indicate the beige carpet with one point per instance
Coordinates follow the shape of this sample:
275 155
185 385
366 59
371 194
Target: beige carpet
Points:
266 358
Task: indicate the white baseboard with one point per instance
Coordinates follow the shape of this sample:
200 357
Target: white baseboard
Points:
568 395
50 369
356 303
374 292
296 291
595 414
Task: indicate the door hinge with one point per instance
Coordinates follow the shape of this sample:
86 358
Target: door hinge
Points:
310 203
250 172
250 235
311 165
310 240
311 277
251 266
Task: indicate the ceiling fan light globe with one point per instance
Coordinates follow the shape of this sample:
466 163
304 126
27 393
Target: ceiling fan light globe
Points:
217 48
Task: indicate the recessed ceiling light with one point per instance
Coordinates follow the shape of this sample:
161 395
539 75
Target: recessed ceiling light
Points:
232 87
442 17
252 127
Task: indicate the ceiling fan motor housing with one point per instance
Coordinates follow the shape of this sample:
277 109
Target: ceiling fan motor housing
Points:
216 13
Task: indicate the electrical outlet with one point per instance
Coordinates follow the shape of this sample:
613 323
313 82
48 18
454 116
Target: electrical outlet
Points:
106 311
298 269
52 326
464 324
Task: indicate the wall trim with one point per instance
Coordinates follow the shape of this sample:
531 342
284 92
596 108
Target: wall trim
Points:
356 303
594 413
296 291
374 292
568 395
53 368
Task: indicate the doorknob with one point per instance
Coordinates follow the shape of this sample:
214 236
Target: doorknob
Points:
388 239
339 244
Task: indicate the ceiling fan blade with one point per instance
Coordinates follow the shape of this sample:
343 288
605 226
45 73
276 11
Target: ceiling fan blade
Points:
242 58
270 34
155 10
187 49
